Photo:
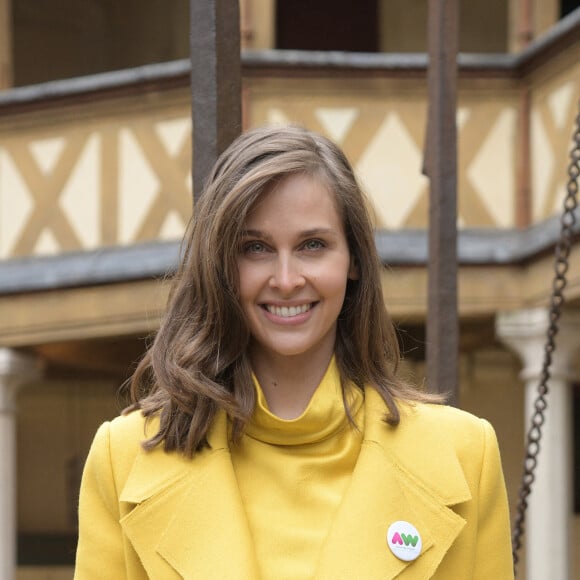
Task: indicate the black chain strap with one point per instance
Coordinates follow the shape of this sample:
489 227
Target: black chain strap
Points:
562 253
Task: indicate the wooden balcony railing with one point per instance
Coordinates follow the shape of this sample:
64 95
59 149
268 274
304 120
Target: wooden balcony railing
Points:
105 160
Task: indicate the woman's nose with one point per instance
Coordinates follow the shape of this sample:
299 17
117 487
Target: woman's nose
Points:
287 275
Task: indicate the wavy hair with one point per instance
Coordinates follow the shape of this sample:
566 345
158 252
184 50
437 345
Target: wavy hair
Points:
198 362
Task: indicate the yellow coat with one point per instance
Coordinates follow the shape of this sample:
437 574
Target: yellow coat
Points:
163 516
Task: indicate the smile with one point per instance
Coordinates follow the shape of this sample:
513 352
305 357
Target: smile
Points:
287 311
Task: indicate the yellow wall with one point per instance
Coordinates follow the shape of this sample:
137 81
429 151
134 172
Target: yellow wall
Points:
56 423
483 25
45 573
80 37
53 40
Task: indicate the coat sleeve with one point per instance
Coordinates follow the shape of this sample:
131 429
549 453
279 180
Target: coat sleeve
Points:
100 553
493 557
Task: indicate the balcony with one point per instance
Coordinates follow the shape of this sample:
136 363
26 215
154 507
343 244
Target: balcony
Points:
95 175
104 161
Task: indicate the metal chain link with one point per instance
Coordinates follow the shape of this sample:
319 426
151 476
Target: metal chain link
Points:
562 253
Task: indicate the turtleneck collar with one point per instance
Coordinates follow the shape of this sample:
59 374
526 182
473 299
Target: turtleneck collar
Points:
324 415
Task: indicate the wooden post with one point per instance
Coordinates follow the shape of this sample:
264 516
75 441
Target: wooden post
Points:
215 82
6 73
441 168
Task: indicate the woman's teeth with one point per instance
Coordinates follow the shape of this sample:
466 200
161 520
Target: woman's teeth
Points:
288 311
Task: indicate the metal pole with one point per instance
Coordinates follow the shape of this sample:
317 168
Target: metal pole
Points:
441 168
215 82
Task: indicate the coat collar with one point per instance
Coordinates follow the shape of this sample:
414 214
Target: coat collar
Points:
187 516
395 479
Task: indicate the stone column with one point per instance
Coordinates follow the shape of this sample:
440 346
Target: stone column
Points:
16 369
547 530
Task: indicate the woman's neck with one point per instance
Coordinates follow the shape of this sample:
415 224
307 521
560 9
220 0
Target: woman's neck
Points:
288 382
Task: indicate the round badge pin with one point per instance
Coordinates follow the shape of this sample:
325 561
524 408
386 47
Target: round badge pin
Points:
404 541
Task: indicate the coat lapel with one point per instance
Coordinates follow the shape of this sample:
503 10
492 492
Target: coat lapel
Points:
385 488
186 516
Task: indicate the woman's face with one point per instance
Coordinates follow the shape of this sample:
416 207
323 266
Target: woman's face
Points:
294 264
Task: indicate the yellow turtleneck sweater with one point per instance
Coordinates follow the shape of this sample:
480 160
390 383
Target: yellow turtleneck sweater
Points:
292 475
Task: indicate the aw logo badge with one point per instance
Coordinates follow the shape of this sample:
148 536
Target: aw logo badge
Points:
404 541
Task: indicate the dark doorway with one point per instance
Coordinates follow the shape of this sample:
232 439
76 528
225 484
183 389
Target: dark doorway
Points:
343 25
567 6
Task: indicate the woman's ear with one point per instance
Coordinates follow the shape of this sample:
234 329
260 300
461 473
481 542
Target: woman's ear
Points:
353 272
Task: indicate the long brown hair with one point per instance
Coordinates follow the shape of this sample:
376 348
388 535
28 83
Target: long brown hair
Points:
199 362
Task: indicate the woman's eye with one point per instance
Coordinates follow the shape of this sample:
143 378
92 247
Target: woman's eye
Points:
313 245
253 248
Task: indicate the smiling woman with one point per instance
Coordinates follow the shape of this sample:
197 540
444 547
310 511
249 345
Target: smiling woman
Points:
268 422
294 266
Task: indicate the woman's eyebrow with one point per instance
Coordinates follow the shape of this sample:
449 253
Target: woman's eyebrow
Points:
256 234
317 232
302 234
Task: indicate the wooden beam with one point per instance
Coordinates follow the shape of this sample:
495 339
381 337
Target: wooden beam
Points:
441 168
117 309
106 310
215 82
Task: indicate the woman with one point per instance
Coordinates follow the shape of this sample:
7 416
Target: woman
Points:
269 436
